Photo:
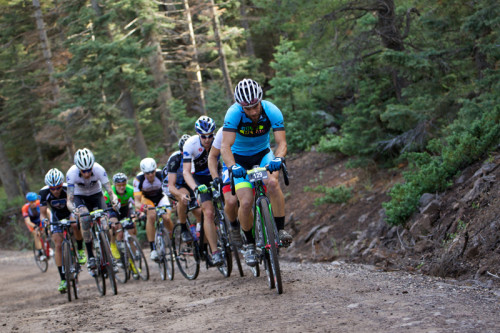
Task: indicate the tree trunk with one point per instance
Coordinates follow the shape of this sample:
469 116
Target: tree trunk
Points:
7 175
244 23
195 63
222 55
47 54
127 105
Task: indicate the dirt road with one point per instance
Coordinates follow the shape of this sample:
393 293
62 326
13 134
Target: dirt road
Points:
336 297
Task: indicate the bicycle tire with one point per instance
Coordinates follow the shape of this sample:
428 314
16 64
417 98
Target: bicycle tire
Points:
273 248
100 281
169 255
43 265
66 261
108 259
75 270
122 273
186 255
139 261
159 245
223 246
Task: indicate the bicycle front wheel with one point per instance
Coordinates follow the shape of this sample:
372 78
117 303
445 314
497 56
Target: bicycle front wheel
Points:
186 255
98 272
66 261
272 248
42 264
120 264
138 265
224 247
108 261
165 255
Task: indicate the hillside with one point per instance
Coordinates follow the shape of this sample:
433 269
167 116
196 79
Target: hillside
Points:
455 234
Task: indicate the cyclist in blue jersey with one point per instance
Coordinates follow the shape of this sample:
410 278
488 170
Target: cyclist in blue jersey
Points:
245 143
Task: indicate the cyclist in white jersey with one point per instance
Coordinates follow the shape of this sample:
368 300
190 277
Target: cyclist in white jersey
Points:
196 151
230 200
85 181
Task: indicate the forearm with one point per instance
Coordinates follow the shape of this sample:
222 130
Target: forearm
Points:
227 155
70 203
213 163
188 178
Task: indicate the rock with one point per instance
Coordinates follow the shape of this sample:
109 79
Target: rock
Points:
432 209
422 226
481 185
311 233
485 169
425 199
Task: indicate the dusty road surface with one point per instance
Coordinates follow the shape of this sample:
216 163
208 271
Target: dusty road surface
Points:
335 297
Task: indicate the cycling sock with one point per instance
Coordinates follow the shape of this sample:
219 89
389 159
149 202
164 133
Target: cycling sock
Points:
59 268
79 244
90 251
40 253
280 222
249 236
184 227
235 224
152 246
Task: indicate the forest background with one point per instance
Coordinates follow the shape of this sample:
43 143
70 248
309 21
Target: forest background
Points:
409 85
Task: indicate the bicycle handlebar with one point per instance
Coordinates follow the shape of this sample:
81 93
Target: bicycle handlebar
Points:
285 177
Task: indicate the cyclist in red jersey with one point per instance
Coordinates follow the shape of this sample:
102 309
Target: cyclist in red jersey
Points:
31 215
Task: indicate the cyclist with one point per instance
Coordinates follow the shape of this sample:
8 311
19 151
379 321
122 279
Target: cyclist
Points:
85 180
125 194
31 215
245 143
54 196
230 201
148 193
178 190
196 151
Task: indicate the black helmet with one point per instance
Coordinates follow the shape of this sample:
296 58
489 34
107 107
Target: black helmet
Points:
183 140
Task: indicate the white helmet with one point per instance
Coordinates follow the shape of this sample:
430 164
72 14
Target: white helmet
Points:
84 159
148 165
54 177
248 93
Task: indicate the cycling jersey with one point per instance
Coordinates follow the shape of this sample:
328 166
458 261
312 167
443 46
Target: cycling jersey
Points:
87 187
57 205
33 214
195 153
217 144
152 191
252 139
124 200
174 165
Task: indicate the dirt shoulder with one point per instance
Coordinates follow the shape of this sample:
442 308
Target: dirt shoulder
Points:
335 297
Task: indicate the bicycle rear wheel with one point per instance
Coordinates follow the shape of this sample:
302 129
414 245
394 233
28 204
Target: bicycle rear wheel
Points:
42 264
272 248
186 255
137 259
66 261
108 261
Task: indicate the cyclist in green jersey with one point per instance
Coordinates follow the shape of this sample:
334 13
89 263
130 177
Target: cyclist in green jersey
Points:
125 194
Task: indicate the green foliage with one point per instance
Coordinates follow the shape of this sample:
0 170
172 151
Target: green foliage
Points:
337 194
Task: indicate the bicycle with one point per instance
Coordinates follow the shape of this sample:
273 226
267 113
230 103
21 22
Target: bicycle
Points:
223 234
104 268
163 245
47 248
267 241
190 254
70 266
135 261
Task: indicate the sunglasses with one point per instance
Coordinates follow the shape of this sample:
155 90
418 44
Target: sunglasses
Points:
55 188
149 173
206 136
86 171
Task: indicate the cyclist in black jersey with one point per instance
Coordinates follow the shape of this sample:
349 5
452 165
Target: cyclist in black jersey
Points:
179 190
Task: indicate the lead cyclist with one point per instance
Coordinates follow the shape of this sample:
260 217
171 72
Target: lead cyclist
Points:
245 143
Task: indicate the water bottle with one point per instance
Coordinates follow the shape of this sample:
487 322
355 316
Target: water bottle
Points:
198 229
192 227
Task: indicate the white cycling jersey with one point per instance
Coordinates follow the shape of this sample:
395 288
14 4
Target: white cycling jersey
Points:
90 186
193 152
218 139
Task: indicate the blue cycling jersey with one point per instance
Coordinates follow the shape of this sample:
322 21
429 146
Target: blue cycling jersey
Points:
252 139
